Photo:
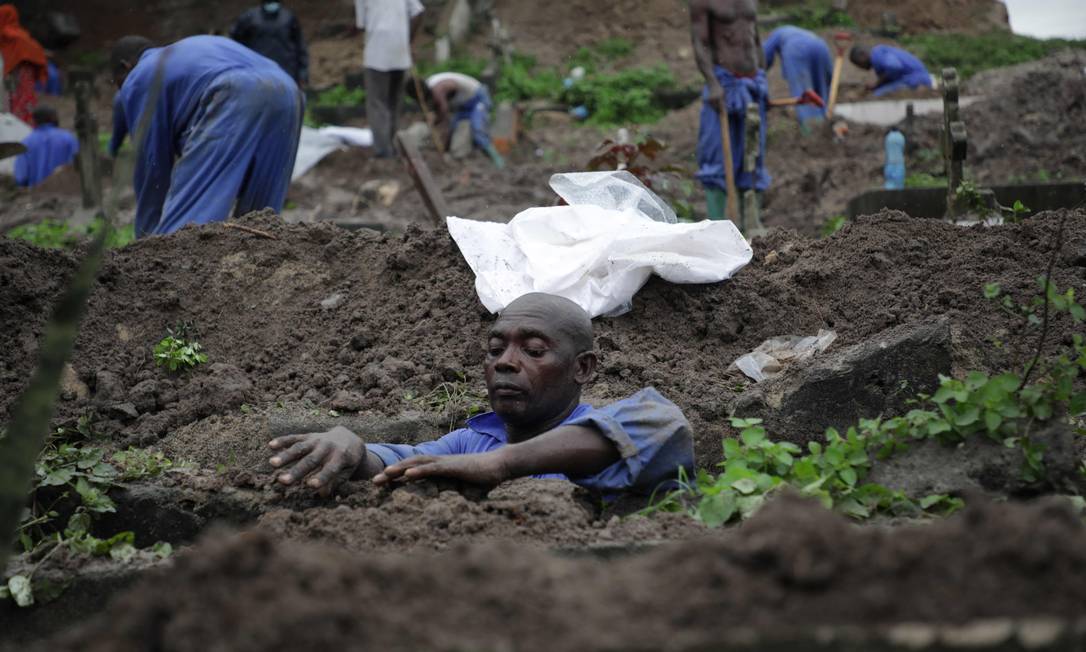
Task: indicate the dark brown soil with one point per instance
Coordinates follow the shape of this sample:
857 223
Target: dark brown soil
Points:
530 512
793 567
407 319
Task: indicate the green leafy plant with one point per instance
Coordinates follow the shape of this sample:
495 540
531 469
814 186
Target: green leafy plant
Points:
1016 212
74 476
833 225
833 472
622 97
179 350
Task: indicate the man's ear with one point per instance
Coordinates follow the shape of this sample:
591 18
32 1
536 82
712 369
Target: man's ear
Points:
585 367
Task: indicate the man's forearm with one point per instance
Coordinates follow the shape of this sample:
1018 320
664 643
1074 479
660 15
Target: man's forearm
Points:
574 451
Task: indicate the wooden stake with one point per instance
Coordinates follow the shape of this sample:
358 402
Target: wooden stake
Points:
424 181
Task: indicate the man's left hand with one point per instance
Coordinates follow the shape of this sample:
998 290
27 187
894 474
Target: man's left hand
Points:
478 468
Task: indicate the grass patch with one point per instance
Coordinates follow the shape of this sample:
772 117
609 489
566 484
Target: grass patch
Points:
973 53
58 234
818 15
625 96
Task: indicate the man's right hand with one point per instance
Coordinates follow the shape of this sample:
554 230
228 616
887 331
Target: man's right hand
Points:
325 458
716 98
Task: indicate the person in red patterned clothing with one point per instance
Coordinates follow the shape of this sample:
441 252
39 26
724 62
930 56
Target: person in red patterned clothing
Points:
24 62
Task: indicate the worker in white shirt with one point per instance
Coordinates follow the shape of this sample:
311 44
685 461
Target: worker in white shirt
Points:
463 105
389 26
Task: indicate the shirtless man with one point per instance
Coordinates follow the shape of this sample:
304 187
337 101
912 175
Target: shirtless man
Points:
729 55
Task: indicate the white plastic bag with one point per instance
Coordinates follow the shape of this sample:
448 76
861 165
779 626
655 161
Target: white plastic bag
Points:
12 130
598 251
315 144
774 354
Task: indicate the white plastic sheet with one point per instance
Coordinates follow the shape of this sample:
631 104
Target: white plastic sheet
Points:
599 250
12 130
774 354
315 144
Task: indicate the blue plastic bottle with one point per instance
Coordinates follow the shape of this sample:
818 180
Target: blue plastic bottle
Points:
895 160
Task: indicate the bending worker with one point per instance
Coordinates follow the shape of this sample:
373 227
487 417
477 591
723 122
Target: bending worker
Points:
273 30
463 109
539 354
806 64
896 68
223 130
48 147
728 53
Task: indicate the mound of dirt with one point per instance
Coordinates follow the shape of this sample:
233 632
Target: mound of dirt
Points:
428 516
793 567
366 322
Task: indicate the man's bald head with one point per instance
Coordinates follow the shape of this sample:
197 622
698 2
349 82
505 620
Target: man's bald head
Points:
569 322
539 354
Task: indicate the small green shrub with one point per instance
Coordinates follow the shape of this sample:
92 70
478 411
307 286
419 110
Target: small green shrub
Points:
340 95
175 353
833 225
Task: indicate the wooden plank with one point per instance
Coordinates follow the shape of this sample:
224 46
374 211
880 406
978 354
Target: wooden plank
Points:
424 180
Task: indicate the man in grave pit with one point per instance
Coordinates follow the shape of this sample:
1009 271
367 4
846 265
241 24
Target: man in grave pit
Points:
539 356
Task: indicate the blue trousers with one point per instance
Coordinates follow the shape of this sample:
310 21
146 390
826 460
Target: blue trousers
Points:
739 92
238 151
912 80
807 66
477 113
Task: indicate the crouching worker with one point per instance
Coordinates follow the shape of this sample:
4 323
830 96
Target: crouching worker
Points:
48 147
223 129
463 108
539 354
896 69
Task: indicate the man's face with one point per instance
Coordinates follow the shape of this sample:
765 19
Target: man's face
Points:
533 373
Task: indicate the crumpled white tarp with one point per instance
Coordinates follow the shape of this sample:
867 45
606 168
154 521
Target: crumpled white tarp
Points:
315 144
774 354
599 250
12 130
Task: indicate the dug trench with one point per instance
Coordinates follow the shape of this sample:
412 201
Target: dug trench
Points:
311 326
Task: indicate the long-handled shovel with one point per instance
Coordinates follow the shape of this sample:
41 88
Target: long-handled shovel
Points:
840 41
732 207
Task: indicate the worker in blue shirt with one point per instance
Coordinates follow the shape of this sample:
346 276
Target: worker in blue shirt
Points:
48 147
896 68
806 64
539 355
223 131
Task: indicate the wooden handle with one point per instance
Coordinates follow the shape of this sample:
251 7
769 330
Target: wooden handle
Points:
732 208
837 68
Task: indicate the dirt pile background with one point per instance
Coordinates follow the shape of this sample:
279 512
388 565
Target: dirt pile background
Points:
325 318
792 567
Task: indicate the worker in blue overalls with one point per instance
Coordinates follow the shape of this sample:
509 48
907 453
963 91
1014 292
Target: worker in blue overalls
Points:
223 129
896 69
806 64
